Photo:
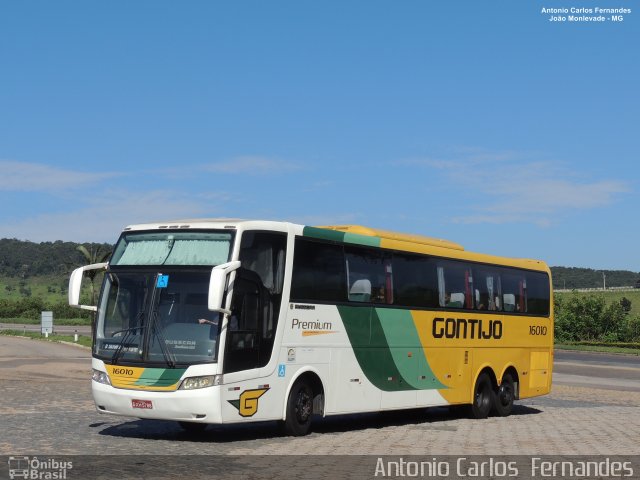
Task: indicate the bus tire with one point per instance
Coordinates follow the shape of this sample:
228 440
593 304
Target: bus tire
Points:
299 409
482 397
193 427
504 396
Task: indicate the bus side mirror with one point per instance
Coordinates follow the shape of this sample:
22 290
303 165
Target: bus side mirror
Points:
217 283
75 285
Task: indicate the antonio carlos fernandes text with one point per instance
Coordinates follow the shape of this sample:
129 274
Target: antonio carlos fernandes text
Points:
491 467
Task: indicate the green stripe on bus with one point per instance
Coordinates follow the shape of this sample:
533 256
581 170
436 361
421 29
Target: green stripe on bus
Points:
323 234
361 239
338 236
406 350
159 377
375 358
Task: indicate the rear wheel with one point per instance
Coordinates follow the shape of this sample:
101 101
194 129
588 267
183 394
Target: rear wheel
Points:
299 409
482 397
504 396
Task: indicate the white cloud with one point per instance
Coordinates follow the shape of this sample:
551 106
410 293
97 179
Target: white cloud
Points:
508 187
106 215
253 165
31 177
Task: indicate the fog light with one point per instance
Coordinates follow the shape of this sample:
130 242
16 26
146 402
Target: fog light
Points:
100 377
192 383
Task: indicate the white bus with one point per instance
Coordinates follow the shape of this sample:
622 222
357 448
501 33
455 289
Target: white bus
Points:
225 321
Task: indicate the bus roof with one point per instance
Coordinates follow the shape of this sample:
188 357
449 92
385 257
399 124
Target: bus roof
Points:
403 237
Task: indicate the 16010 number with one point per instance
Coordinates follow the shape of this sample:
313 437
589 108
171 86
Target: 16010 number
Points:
537 330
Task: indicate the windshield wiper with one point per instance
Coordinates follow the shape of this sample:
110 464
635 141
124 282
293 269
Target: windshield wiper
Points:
120 350
162 340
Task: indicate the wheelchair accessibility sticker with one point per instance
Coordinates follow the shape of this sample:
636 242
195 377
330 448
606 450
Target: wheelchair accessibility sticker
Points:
282 368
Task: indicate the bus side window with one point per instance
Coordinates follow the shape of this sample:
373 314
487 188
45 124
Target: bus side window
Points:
487 290
513 291
538 293
369 276
454 285
415 281
318 272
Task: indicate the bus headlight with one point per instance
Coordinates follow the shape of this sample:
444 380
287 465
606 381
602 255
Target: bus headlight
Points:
100 377
191 383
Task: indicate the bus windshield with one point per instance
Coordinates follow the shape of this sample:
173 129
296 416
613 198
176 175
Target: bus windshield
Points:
153 307
155 317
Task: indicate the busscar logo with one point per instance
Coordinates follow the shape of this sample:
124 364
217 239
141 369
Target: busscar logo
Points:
36 468
247 404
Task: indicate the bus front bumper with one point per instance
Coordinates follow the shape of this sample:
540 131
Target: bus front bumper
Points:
199 405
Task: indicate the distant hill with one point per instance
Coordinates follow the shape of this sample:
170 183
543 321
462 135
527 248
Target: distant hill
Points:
23 259
572 277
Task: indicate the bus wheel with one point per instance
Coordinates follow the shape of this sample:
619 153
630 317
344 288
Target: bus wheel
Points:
299 410
503 401
193 427
482 397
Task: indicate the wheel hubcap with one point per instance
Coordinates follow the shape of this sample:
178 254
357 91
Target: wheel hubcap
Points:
505 394
481 397
303 406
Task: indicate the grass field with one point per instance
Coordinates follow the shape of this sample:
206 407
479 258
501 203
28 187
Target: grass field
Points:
598 348
84 341
609 296
57 321
50 288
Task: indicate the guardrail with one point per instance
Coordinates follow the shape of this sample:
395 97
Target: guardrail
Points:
609 289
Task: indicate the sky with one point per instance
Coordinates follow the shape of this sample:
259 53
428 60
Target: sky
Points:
480 122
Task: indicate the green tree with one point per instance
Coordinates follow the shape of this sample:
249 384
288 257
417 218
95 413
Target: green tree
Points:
96 253
588 317
626 304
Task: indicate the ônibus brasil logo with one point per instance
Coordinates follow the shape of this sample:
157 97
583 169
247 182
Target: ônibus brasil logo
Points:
36 468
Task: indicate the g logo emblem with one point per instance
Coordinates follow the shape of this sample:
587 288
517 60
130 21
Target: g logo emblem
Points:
247 404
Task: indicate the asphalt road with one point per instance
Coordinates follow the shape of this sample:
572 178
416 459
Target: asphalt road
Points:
596 358
599 370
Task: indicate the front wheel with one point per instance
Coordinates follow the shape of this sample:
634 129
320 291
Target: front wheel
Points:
504 396
482 397
299 410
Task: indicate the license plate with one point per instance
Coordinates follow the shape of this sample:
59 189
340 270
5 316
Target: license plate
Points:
141 404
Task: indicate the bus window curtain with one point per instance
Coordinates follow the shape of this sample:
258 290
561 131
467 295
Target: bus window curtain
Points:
441 286
492 297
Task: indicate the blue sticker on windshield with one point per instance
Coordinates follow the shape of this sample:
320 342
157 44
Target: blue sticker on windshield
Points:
163 281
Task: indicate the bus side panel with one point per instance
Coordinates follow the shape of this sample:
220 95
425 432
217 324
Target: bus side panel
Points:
453 367
539 375
458 345
351 390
